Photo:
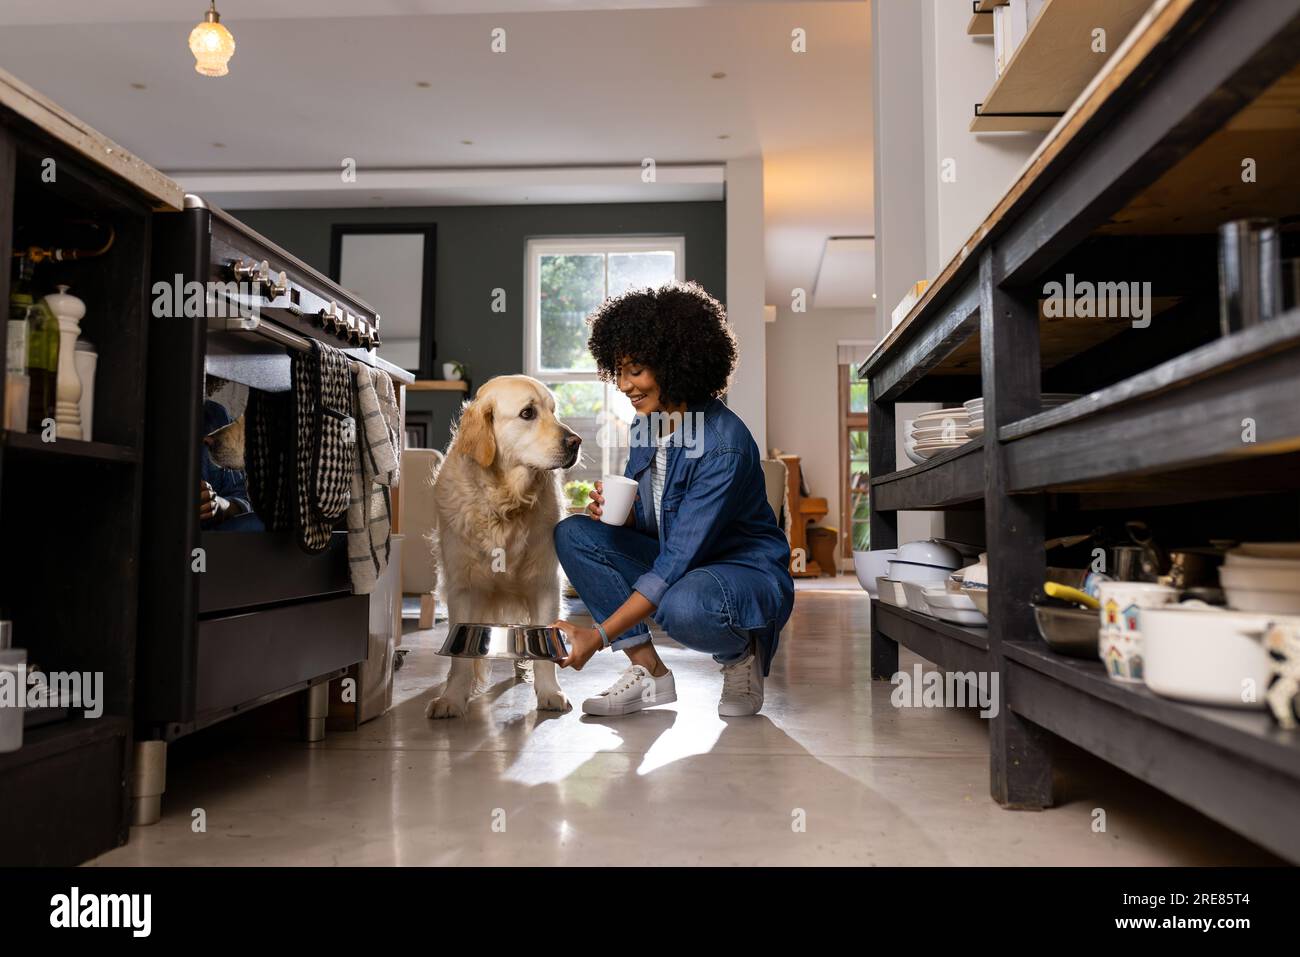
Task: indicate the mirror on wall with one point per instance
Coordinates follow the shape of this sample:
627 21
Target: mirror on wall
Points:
392 267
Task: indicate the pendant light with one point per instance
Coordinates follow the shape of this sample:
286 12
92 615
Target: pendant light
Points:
211 44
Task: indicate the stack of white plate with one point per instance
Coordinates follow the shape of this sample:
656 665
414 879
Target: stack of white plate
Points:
933 432
975 410
1263 577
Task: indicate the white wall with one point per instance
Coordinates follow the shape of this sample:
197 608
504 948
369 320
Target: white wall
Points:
746 285
803 392
898 89
960 72
928 76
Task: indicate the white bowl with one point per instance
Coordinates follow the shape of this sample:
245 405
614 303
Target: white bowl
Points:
1193 652
930 552
891 592
1237 560
939 432
1284 550
929 574
915 592
871 565
1263 602
1260 578
915 457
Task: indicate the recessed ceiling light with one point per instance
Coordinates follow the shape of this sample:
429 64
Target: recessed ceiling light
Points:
220 146
423 84
718 76
724 136
137 86
466 142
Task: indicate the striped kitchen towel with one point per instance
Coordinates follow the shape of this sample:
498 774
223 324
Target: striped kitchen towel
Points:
375 472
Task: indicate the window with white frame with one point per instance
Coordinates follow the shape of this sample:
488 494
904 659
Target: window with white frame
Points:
566 279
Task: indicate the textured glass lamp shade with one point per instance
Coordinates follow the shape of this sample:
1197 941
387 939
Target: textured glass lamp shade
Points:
212 46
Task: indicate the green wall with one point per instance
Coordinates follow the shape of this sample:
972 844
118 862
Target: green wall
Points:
481 248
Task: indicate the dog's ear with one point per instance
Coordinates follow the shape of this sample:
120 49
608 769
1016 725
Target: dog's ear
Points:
475 432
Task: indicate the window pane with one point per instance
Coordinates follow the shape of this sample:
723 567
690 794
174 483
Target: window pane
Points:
571 288
595 412
638 270
858 397
858 448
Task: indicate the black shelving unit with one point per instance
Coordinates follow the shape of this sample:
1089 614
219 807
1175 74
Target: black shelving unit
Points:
1129 187
70 510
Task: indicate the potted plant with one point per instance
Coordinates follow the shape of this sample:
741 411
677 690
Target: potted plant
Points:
453 371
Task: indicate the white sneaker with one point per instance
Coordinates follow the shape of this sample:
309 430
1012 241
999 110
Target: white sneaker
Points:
635 689
742 688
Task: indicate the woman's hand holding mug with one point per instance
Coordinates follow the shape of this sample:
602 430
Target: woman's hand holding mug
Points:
597 504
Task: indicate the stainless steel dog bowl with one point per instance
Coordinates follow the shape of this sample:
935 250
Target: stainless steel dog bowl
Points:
515 642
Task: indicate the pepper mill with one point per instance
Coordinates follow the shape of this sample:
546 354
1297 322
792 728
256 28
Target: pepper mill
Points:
69 310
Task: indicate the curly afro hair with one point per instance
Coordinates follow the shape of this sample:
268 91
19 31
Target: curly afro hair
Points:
678 331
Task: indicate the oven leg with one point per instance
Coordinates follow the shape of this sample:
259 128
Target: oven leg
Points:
148 782
316 708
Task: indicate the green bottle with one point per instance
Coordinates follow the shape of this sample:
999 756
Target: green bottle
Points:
42 345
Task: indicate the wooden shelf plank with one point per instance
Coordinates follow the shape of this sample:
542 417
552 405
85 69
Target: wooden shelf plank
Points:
1235 766
1217 356
1055 62
955 477
437 385
1209 186
1185 413
951 647
51 739
30 443
980 25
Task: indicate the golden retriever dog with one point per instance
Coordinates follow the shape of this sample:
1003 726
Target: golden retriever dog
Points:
498 498
226 445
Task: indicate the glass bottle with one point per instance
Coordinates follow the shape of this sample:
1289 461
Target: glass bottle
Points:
42 345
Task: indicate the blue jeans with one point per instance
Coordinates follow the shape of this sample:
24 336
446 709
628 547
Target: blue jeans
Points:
602 561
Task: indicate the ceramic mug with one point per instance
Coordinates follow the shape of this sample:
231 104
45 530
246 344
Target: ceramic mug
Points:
1120 634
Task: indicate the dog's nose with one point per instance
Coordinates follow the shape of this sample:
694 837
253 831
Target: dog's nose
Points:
572 441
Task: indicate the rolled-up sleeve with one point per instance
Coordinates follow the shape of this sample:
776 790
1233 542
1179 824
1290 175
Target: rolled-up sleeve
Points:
708 505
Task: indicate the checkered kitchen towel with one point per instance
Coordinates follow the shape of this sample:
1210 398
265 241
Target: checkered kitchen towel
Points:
325 441
374 473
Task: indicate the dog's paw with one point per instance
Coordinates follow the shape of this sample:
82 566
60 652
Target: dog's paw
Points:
553 701
445 707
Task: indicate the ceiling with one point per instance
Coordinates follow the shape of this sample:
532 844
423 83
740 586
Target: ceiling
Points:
399 86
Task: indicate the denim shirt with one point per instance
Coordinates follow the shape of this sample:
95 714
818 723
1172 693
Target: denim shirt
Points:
715 510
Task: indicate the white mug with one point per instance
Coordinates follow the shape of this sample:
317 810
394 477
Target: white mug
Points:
1120 633
619 493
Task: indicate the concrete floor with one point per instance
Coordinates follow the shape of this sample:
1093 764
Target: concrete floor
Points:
871 784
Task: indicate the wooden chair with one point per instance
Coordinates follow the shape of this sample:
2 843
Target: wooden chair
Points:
803 510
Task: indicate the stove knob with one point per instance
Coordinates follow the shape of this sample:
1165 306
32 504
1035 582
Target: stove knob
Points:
279 284
243 270
328 317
